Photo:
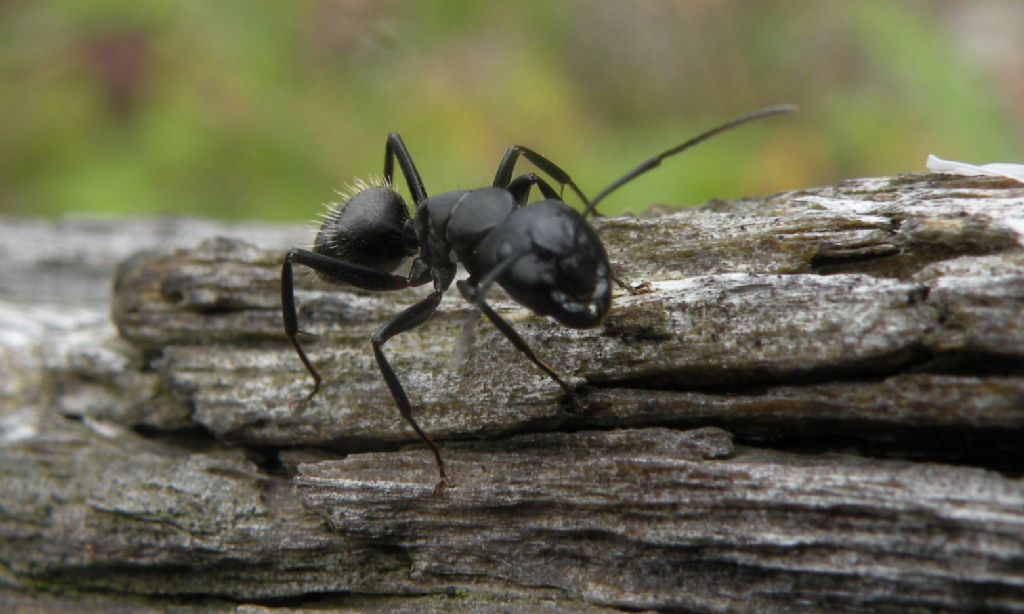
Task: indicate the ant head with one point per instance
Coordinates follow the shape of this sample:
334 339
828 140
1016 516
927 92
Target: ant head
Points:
551 261
368 228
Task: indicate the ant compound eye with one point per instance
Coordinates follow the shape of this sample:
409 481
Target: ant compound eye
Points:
367 229
504 250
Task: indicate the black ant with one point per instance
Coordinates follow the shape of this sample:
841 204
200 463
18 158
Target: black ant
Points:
545 255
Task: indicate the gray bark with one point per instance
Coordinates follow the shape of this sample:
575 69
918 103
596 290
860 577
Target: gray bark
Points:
818 406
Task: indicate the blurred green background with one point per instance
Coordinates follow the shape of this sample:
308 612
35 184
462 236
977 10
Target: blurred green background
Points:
263 108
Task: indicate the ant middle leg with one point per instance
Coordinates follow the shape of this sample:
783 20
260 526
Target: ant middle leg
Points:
503 177
409 318
520 188
395 148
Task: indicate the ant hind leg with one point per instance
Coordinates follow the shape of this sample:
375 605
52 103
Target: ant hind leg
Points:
333 270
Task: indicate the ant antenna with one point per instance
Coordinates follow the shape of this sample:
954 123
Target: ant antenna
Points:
485 283
656 160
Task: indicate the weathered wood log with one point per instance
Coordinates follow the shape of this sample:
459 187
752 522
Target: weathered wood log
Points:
818 406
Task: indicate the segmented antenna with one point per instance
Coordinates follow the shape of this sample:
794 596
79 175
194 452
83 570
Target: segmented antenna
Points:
656 160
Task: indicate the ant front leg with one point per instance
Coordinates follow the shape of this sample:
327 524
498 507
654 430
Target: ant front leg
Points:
643 287
333 270
471 292
503 177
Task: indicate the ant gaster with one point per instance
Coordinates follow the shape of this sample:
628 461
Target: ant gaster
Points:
544 255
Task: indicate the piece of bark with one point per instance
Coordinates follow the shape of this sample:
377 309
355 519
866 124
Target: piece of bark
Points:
741 319
657 518
861 344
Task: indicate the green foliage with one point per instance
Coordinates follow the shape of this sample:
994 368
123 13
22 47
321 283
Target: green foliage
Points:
262 109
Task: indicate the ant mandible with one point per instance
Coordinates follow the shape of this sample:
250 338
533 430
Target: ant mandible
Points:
544 255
